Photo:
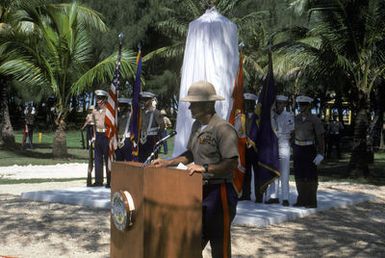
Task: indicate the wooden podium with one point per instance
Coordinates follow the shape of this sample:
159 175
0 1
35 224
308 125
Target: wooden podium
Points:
168 206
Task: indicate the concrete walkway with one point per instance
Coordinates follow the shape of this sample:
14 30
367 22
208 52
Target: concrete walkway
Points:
248 213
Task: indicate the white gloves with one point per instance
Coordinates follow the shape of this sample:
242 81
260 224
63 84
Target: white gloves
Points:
317 160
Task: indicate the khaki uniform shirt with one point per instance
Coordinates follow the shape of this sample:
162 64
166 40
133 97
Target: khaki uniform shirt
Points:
89 119
157 122
167 122
99 118
307 129
123 120
215 142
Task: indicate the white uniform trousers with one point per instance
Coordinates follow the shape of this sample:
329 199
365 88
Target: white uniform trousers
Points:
281 183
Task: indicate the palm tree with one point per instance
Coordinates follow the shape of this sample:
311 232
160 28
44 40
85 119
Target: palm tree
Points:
344 44
58 56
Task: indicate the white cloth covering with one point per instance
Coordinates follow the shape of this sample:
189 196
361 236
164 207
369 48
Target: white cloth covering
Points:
211 54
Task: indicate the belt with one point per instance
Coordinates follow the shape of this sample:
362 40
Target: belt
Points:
214 181
98 130
304 143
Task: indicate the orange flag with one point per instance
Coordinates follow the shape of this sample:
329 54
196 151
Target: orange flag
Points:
238 120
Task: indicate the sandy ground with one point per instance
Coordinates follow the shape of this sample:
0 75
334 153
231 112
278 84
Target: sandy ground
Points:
36 229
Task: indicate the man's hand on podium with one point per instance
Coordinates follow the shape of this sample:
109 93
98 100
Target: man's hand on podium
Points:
195 168
160 163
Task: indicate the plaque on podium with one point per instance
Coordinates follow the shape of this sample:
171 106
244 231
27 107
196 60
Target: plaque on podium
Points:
167 219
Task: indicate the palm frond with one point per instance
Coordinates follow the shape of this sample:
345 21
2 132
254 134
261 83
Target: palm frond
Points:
104 71
173 51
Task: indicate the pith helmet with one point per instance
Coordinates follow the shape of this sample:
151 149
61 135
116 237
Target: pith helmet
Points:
201 91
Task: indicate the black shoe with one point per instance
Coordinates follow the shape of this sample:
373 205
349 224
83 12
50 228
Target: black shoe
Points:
298 205
285 203
272 201
311 206
96 184
244 198
107 186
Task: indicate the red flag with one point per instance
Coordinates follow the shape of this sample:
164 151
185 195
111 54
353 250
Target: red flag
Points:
238 120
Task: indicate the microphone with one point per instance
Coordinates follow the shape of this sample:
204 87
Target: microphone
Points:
173 133
157 147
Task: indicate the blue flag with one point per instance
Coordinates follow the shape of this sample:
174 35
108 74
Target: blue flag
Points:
135 117
263 135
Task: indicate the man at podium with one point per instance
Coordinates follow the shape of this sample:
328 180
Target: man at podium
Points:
211 150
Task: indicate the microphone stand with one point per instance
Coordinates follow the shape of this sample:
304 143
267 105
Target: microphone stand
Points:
152 156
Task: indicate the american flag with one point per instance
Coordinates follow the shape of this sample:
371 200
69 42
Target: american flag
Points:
111 119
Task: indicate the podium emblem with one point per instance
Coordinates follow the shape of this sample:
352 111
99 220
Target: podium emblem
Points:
122 210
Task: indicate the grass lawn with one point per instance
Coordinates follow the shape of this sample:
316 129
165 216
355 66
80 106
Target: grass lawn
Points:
41 154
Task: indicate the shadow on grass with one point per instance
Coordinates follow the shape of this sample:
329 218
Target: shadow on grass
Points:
43 151
337 170
87 228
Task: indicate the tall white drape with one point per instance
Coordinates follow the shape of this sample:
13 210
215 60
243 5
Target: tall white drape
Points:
211 54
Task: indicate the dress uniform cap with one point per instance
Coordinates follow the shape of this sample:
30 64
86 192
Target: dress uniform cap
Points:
124 101
163 112
91 107
147 94
201 91
281 98
250 96
304 99
101 93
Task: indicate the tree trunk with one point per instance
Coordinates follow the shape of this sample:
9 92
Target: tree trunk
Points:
59 148
358 164
7 135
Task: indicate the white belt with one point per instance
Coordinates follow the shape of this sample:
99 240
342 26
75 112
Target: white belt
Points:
304 143
99 130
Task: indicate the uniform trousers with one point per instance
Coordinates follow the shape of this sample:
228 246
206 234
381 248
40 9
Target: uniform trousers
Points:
145 149
101 155
218 207
281 184
124 153
251 167
306 176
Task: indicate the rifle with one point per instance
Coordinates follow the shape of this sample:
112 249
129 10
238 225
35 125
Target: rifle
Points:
90 163
91 153
82 135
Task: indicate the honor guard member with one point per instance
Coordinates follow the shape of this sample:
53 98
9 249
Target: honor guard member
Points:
124 150
101 141
212 147
284 126
167 125
334 130
89 125
251 152
308 153
151 126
